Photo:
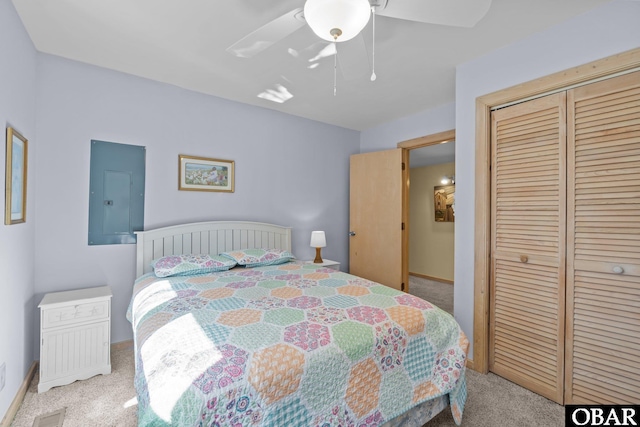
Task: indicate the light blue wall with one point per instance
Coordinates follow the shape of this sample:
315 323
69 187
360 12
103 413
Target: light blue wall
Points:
17 109
289 171
387 135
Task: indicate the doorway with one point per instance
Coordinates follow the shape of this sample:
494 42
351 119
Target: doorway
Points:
430 151
431 223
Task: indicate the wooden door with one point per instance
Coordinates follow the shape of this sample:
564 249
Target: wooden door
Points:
528 244
376 245
603 250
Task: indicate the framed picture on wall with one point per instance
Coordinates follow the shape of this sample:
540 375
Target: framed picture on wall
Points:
15 205
205 174
444 202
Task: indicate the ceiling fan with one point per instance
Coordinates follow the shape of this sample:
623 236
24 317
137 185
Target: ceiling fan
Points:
342 20
459 13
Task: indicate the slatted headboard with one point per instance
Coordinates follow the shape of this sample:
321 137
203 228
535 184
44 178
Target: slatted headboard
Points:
207 238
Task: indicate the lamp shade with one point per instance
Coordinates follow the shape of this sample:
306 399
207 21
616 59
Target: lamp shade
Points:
318 239
326 16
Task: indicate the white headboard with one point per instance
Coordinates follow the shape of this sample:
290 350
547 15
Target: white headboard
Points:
207 238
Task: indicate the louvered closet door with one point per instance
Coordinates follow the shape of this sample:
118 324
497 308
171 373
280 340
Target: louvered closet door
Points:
603 247
528 244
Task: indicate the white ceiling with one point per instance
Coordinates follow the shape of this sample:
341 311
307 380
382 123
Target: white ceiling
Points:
183 42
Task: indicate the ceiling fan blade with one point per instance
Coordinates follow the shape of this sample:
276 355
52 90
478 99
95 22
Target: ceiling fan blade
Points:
314 52
353 58
267 35
457 13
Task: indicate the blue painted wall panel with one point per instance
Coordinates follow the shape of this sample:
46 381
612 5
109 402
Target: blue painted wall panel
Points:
116 197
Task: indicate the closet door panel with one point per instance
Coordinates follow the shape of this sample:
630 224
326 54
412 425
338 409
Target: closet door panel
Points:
528 244
603 243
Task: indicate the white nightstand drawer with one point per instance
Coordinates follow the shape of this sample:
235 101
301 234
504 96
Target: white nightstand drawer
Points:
69 314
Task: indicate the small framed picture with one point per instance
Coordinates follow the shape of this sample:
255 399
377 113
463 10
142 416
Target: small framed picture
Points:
15 207
444 202
204 174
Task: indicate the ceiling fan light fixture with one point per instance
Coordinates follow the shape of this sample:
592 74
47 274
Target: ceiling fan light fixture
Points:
337 20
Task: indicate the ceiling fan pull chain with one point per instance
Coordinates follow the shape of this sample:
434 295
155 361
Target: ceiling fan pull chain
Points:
335 69
373 47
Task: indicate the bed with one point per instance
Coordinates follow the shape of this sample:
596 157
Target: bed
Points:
284 344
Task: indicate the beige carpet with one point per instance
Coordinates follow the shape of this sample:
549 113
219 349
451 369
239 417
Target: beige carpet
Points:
494 402
98 401
107 401
438 293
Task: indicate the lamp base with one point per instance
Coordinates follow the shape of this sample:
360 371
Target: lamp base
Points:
318 259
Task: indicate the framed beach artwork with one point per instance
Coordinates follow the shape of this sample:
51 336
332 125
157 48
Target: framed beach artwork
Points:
15 207
204 174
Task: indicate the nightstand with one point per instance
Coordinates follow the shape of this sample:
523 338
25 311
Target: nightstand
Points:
326 263
75 336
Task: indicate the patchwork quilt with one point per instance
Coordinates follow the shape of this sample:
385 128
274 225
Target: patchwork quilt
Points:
289 345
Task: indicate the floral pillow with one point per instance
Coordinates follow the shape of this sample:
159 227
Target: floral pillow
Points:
259 257
186 265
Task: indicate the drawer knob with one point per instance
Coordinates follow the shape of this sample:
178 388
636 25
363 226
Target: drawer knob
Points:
618 270
524 258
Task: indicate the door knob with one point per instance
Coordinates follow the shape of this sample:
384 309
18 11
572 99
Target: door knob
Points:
352 233
618 270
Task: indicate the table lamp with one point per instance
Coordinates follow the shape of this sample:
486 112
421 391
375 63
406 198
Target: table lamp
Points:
318 241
